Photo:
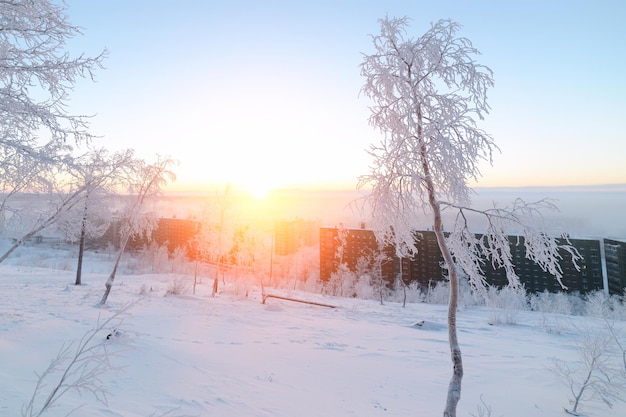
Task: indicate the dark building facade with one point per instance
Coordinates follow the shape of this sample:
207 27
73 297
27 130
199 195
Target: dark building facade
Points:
426 267
615 256
587 278
355 244
173 233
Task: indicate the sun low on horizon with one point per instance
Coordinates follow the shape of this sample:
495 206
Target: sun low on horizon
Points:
264 100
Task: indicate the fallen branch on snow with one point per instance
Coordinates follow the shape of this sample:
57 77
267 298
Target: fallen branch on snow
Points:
266 296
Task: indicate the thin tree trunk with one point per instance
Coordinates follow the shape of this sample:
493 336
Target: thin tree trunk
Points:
81 250
215 285
454 387
81 247
109 283
584 385
195 277
403 285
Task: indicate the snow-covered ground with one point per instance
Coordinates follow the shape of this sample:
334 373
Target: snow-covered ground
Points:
232 355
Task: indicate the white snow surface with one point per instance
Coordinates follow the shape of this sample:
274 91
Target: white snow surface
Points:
233 355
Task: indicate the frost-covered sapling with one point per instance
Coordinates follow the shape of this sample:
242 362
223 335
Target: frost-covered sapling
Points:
597 373
146 180
78 367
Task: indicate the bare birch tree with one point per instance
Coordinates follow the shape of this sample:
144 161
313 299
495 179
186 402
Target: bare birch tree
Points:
427 95
101 175
37 74
147 181
220 231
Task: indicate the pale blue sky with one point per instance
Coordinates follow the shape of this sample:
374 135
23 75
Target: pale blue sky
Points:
266 94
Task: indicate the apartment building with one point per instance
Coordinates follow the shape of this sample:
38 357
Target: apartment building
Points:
340 245
290 236
426 267
173 233
615 258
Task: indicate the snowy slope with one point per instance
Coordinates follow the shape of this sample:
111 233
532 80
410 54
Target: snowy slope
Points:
186 355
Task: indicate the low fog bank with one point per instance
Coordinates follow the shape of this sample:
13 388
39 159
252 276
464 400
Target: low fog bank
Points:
584 211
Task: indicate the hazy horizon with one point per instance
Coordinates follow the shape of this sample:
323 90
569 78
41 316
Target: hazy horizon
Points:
584 211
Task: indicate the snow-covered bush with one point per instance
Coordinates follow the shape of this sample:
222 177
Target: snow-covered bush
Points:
363 288
596 304
437 293
153 258
412 292
312 283
341 282
179 263
177 286
505 304
555 303
599 304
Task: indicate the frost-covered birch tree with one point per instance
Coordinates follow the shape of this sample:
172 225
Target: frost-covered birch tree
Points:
57 197
37 74
221 232
101 175
147 180
428 93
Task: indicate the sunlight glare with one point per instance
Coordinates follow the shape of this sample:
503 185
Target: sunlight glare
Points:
259 189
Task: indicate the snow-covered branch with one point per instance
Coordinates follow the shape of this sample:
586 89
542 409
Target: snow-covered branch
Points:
37 74
520 224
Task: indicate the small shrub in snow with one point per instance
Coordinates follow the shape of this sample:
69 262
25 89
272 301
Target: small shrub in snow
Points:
438 293
546 302
505 304
599 304
143 290
177 286
341 283
578 304
411 291
364 289
596 304
312 284
482 410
